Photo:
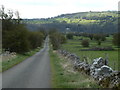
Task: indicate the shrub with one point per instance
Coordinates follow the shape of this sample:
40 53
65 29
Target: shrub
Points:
57 39
103 38
85 43
69 36
63 39
116 40
91 36
35 39
99 38
16 40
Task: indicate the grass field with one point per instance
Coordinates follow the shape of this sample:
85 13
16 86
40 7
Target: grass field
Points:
74 46
63 75
19 58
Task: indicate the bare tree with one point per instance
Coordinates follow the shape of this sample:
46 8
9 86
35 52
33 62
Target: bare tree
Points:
3 15
2 10
18 16
10 14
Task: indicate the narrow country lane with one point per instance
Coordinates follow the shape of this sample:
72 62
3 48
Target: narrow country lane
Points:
33 72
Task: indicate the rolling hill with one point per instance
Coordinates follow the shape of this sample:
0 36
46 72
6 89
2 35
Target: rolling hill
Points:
90 22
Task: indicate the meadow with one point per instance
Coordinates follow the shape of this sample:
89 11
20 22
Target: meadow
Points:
74 46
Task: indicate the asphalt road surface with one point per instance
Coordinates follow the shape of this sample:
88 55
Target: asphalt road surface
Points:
33 72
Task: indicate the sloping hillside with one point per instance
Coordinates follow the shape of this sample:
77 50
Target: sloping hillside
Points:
91 22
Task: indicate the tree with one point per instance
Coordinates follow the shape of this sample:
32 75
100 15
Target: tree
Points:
99 38
69 36
57 39
4 15
17 16
16 40
43 31
85 43
116 40
15 36
63 39
103 38
36 39
91 36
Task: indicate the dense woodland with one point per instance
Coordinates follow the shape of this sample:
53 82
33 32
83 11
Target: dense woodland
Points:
88 22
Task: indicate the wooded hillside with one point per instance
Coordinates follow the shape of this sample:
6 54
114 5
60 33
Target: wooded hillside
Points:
90 22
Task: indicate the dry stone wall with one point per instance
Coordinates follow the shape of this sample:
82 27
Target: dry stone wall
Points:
99 70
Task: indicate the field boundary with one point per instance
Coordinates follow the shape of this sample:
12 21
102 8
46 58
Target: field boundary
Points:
64 76
103 74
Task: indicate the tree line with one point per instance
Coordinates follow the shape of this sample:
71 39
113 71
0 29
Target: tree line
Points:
99 38
57 38
15 36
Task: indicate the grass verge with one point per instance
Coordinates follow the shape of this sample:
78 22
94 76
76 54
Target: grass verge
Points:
63 75
19 58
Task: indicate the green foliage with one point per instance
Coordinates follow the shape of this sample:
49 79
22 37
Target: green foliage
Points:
116 39
36 39
69 36
43 31
63 39
103 38
91 36
15 36
90 22
99 38
85 43
57 39
16 40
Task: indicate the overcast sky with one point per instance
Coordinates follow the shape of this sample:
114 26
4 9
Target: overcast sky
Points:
50 8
